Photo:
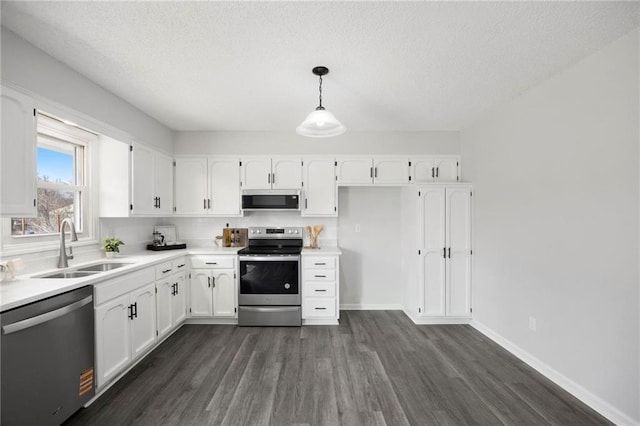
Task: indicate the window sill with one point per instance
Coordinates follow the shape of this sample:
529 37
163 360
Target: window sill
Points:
9 250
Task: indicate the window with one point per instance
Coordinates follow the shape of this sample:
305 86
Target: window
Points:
62 190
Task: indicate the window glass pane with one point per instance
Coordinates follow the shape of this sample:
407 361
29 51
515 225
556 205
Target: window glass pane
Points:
53 206
55 166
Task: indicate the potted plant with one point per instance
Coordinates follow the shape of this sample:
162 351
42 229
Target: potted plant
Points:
112 246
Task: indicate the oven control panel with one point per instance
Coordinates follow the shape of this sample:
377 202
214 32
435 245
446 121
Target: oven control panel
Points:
264 232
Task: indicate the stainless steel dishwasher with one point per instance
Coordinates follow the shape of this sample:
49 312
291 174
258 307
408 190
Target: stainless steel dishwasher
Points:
47 350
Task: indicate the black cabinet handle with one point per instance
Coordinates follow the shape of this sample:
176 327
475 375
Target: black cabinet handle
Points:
158 202
320 309
433 172
205 204
375 173
177 289
130 314
306 203
166 270
182 266
210 263
318 264
444 252
371 172
320 290
437 171
449 253
135 310
213 280
273 178
320 276
209 281
268 178
208 203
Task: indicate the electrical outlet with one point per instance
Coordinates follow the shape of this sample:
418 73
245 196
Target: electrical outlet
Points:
358 228
532 323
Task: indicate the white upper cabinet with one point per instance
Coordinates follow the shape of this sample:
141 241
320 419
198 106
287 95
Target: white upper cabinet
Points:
435 169
224 187
355 170
208 186
271 173
387 170
151 181
191 186
18 154
391 170
319 183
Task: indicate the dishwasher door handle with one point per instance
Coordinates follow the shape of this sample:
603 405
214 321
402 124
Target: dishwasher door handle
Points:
33 321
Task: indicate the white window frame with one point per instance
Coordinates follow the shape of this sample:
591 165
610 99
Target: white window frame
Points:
51 129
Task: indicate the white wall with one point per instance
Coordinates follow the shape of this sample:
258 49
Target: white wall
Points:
370 267
556 181
248 143
28 67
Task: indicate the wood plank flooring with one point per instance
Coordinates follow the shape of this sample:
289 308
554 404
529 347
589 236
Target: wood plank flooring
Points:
375 368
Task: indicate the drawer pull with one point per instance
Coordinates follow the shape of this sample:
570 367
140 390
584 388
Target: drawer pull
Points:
319 264
321 290
210 263
320 276
166 270
320 309
181 266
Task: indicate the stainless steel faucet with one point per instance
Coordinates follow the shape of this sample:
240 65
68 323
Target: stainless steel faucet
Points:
62 259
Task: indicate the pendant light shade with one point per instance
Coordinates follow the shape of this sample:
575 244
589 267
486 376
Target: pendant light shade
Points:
320 123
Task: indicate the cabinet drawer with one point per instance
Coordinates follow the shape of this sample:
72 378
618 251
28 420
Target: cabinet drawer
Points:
164 270
179 265
319 307
213 262
116 287
319 274
319 262
319 289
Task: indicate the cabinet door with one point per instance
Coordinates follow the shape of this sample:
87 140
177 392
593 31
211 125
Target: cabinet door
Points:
459 259
180 300
286 173
164 184
224 184
143 180
354 171
446 169
224 293
256 173
164 306
191 185
319 187
201 294
113 338
143 325
433 264
423 170
18 155
391 171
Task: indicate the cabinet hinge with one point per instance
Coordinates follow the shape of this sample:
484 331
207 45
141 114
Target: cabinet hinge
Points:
131 148
130 206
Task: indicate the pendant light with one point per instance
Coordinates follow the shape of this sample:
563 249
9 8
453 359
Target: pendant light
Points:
320 123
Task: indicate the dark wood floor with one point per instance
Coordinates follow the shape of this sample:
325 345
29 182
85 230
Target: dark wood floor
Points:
376 368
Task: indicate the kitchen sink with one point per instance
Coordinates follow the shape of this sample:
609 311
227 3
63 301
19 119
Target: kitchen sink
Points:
69 274
103 267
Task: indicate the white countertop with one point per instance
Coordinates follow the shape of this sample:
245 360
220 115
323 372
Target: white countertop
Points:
28 288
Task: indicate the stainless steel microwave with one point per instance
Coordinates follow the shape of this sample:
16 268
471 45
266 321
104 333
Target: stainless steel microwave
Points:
269 200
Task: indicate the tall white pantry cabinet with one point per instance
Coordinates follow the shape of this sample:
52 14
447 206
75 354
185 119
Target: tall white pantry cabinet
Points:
437 253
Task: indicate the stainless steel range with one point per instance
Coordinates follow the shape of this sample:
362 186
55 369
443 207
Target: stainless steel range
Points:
269 292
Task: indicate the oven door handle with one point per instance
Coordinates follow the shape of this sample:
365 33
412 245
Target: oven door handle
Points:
270 258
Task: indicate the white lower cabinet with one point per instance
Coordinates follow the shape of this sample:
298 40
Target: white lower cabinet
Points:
320 289
213 292
125 322
171 294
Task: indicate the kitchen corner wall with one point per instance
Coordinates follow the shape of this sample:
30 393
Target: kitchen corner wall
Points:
556 198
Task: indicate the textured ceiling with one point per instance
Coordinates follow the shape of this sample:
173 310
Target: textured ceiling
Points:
394 66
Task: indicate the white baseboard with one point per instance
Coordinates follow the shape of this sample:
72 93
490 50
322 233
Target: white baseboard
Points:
212 321
593 401
369 307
